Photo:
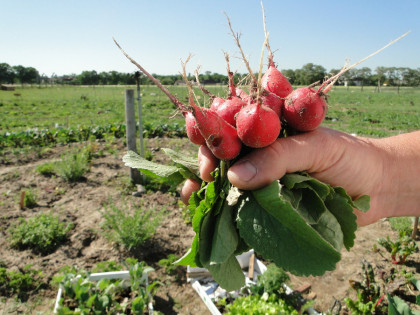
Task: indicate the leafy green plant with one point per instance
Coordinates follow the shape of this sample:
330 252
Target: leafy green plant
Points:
400 248
397 306
42 233
260 305
129 228
46 169
368 291
73 166
107 296
169 264
19 283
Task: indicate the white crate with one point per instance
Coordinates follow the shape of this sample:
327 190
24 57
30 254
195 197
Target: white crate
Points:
206 287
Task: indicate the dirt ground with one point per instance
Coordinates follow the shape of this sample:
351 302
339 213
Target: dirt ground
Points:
107 179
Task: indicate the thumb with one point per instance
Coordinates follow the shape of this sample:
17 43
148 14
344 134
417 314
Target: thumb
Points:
314 152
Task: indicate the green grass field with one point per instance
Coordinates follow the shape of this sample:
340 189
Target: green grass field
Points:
350 109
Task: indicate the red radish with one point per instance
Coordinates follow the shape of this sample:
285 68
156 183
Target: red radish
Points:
221 138
273 101
305 109
241 94
217 101
193 131
258 125
230 108
275 82
233 104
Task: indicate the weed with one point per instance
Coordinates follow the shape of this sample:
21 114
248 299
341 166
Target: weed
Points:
129 228
168 264
19 282
46 169
73 166
42 233
401 224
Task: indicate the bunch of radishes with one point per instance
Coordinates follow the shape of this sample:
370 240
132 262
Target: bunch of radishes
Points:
253 119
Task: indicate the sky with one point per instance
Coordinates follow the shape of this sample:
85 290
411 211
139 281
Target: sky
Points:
66 37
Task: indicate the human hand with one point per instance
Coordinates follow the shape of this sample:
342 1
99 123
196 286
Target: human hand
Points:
336 158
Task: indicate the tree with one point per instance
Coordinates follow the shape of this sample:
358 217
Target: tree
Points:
7 75
310 73
290 75
363 75
88 78
26 74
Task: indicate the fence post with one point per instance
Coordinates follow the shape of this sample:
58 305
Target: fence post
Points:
130 120
137 76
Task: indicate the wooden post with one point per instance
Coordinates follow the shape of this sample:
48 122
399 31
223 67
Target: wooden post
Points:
137 76
130 120
415 228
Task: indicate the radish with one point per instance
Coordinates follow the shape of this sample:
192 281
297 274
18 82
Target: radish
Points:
221 138
193 131
241 94
217 101
233 104
305 109
257 125
273 80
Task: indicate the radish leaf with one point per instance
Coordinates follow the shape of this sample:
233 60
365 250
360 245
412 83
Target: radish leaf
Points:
276 231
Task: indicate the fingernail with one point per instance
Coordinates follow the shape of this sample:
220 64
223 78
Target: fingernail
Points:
245 170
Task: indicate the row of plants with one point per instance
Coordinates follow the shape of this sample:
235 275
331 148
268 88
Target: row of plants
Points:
383 284
48 137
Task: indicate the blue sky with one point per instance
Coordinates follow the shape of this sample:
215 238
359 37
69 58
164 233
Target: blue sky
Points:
64 37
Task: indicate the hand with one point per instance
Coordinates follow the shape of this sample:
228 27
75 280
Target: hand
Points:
362 166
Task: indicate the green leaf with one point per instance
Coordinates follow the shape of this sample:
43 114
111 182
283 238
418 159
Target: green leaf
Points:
191 256
228 275
225 237
397 306
205 238
276 231
362 203
165 172
343 211
186 161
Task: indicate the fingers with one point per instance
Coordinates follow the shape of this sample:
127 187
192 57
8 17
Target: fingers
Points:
207 163
189 187
313 152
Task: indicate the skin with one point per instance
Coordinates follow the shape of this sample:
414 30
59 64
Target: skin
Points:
386 169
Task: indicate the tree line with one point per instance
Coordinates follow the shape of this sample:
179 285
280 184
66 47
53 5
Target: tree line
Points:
308 74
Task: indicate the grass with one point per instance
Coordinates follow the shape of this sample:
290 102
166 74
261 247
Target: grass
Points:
374 114
350 109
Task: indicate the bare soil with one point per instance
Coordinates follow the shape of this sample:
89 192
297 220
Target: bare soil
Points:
81 203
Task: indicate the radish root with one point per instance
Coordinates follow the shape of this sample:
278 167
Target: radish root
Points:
330 82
